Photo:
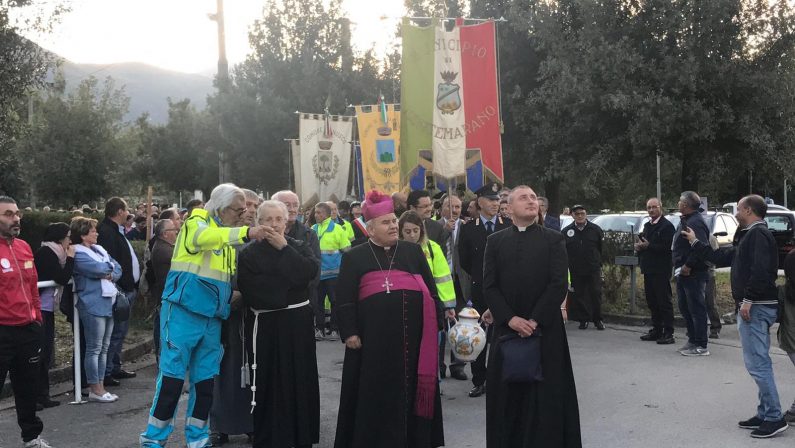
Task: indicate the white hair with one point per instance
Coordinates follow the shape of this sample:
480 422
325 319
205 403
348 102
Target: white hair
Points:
279 194
271 204
222 197
251 195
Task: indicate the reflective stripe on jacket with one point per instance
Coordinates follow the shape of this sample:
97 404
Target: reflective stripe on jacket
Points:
441 273
333 240
203 265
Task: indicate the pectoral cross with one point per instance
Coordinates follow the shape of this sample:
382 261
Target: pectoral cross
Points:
387 285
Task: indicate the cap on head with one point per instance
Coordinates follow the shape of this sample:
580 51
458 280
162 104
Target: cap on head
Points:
489 191
377 204
576 207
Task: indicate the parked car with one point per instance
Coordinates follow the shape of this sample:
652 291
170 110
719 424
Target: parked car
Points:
732 207
782 224
622 222
721 224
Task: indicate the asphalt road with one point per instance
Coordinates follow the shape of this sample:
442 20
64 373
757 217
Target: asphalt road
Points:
631 394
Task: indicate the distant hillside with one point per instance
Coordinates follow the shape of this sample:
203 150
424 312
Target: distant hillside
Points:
147 86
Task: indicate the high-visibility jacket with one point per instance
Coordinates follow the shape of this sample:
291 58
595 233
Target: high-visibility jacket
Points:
203 264
348 229
333 240
441 273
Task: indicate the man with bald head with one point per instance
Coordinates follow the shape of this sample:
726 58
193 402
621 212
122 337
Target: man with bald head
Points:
300 232
654 250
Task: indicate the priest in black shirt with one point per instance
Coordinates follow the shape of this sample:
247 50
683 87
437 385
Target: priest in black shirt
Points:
524 281
389 316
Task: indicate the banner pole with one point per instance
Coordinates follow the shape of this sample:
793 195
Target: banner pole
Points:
78 399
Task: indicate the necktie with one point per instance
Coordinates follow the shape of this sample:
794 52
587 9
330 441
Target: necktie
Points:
489 227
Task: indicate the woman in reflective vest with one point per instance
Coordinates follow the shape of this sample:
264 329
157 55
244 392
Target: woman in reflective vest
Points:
411 229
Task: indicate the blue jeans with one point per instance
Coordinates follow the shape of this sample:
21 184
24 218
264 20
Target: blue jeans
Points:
97 333
693 306
755 337
120 329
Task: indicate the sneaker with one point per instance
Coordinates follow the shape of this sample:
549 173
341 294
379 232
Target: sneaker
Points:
666 339
104 398
599 325
751 423
697 351
38 442
652 335
789 417
686 347
319 336
769 429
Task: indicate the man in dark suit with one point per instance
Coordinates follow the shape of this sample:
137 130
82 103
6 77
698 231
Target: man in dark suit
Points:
111 237
471 247
550 221
450 219
420 202
654 250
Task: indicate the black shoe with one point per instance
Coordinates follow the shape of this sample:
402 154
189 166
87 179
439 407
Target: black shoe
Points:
48 403
219 438
39 407
123 375
599 325
751 423
443 372
714 334
652 335
769 429
458 374
666 338
109 381
477 391
583 326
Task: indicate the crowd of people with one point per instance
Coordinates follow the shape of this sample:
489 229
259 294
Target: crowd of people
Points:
242 286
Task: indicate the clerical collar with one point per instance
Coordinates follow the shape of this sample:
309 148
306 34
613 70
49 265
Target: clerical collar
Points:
523 228
382 247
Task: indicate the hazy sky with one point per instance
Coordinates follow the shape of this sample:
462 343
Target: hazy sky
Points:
177 34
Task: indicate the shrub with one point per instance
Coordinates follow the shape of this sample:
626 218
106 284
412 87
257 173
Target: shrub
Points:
34 224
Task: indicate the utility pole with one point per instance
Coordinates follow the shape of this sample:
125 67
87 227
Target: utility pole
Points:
659 185
223 85
32 181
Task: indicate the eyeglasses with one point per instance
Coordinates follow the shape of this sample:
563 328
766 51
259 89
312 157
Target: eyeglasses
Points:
651 207
10 214
239 211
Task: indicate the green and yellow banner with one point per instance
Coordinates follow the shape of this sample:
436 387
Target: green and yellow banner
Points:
379 137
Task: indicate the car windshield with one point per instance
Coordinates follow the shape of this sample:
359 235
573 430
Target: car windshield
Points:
620 223
778 223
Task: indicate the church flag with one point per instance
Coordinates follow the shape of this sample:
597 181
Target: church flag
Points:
295 153
325 157
379 137
449 100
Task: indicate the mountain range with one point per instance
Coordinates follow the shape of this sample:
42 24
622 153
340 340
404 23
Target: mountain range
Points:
147 86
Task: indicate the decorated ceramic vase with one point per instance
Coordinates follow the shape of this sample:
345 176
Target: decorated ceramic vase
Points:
467 337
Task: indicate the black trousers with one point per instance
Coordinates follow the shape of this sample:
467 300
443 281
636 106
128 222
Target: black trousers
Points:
47 353
325 288
478 366
659 299
455 363
20 354
588 297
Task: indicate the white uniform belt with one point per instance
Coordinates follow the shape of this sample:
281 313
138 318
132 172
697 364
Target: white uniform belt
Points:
254 345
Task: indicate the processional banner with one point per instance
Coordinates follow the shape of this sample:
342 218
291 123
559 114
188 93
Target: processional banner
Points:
325 157
379 137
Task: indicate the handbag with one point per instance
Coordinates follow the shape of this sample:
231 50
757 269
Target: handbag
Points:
121 308
521 358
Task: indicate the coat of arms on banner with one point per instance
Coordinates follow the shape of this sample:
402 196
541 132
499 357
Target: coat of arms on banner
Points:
385 150
325 165
448 96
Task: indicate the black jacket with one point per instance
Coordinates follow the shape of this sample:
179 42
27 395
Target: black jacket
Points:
118 248
552 222
162 252
584 248
471 247
683 254
656 258
303 233
753 261
436 232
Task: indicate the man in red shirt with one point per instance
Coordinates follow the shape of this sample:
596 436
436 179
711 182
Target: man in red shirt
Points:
20 322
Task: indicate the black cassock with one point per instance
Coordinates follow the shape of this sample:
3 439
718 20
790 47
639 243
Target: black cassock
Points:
524 274
379 380
288 395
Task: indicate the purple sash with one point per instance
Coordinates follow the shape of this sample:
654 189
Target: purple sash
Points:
427 368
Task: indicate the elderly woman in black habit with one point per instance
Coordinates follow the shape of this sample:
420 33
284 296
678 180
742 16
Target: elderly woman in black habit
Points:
274 276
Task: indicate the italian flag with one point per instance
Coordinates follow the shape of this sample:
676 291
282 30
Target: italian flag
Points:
449 98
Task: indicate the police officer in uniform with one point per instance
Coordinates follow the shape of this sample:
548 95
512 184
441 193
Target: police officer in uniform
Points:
471 246
584 247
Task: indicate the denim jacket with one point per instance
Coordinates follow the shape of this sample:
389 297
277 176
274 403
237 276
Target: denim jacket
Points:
88 274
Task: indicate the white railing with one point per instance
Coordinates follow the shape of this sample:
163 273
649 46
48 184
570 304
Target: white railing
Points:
76 331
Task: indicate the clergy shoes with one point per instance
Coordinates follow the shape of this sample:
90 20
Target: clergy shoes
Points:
583 325
458 374
477 391
652 335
